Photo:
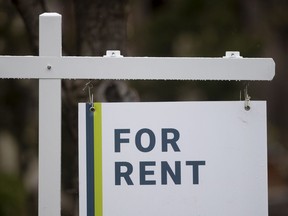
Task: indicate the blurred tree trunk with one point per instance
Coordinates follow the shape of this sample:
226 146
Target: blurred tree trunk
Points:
100 25
30 11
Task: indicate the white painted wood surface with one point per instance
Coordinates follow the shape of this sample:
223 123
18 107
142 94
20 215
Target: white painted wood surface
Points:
49 120
140 68
82 162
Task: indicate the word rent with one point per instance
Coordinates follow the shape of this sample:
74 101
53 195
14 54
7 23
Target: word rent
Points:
169 142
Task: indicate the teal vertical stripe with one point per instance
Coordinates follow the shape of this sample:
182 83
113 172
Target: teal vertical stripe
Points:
90 160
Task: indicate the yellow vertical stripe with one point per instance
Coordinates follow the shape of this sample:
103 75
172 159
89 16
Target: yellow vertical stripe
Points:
98 159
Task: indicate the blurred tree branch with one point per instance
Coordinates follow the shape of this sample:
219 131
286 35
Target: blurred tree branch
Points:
101 25
30 11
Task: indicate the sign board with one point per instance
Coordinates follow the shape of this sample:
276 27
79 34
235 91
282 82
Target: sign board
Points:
173 158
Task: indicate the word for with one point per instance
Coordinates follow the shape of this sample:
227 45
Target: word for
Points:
169 141
152 139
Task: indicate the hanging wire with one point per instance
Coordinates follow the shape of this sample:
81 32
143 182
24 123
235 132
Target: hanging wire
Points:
89 86
247 98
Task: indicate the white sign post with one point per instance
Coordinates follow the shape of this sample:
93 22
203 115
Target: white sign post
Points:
50 120
50 67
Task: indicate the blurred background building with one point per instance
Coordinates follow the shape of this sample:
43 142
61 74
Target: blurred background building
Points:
191 28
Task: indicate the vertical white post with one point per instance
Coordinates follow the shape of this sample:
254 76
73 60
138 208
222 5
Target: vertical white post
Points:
50 120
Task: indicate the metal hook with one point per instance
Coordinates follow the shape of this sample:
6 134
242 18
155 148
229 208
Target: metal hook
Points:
89 85
247 98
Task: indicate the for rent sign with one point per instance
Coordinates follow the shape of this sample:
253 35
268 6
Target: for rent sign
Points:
173 158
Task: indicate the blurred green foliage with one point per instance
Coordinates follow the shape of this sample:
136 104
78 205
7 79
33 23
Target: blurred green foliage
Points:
197 28
12 196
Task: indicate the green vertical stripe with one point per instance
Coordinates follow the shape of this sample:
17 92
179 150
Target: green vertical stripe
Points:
98 158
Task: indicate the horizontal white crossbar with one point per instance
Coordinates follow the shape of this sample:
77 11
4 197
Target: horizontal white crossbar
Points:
138 68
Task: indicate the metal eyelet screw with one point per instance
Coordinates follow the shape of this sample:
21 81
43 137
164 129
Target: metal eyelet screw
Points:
92 109
247 108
